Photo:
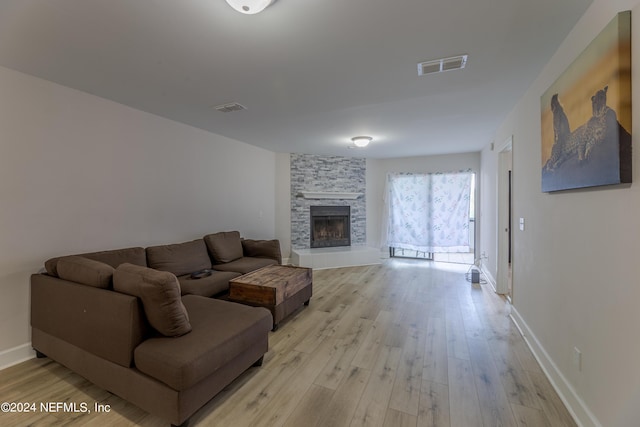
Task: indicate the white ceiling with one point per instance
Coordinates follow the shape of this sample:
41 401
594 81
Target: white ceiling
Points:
312 73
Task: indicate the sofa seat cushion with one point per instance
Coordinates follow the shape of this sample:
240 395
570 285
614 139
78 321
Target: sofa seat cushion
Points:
85 271
216 283
225 246
113 258
222 330
159 292
245 265
179 258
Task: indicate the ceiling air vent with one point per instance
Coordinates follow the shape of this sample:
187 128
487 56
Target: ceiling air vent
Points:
227 108
442 65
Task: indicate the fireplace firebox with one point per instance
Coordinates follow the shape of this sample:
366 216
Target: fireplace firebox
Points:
330 226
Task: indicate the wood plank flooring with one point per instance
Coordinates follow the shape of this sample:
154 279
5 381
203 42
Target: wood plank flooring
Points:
405 343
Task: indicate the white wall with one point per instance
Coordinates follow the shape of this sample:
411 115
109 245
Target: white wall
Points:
487 226
377 170
375 198
79 173
575 275
488 223
283 203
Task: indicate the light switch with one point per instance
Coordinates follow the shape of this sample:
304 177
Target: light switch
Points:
521 224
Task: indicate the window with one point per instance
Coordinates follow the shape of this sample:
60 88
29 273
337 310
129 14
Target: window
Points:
429 212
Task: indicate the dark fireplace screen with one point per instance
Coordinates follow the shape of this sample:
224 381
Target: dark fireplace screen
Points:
330 226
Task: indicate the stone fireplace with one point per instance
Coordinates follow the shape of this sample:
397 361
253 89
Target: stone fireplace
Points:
330 182
330 226
333 189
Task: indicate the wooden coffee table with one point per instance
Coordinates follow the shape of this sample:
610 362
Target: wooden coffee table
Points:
280 288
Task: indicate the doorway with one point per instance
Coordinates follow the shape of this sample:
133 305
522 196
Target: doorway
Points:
504 281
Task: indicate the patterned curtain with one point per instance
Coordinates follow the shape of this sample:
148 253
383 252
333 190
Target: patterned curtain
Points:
429 212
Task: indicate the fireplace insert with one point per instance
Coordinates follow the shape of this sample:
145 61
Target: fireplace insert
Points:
330 226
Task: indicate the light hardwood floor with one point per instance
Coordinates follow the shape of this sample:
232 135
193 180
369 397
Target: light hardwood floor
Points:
406 343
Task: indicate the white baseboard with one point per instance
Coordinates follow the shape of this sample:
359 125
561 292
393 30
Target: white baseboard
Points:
575 405
16 355
490 280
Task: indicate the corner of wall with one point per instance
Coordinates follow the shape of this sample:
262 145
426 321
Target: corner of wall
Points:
490 279
16 355
283 203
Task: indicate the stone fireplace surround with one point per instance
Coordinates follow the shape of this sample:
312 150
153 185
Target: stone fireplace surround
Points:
329 181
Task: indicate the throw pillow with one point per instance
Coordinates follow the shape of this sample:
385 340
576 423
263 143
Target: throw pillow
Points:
160 295
224 247
85 271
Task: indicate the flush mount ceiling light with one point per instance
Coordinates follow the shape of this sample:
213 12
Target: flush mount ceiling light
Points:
249 7
361 141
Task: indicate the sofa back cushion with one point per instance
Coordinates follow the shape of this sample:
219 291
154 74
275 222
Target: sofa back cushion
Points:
160 295
179 258
224 247
85 271
262 249
113 258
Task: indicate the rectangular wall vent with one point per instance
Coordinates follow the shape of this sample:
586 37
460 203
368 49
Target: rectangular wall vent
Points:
227 108
442 65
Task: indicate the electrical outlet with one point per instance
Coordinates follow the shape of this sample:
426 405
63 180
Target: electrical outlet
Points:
577 358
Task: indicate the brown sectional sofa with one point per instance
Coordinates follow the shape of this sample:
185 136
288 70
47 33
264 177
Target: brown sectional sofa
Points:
135 322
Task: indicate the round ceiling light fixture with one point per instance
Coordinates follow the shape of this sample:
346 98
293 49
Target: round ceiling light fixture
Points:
361 141
249 7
